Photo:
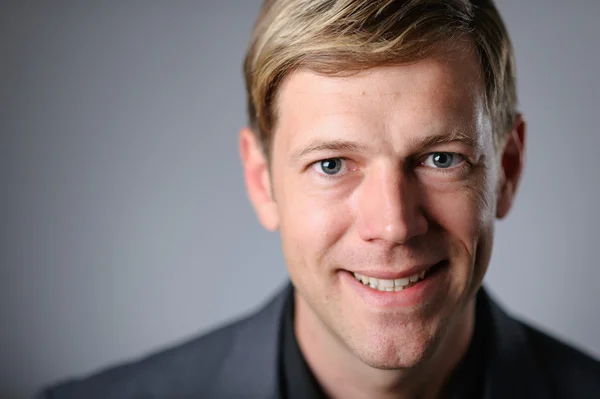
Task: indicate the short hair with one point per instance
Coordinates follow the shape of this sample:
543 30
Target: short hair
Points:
344 36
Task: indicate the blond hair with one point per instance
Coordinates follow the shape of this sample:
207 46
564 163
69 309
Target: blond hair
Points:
340 36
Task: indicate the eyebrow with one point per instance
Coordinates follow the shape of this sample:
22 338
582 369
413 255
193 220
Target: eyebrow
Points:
460 136
329 145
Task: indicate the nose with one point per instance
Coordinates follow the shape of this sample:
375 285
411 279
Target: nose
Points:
388 207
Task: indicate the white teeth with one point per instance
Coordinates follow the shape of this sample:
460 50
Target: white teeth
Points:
401 282
389 285
386 283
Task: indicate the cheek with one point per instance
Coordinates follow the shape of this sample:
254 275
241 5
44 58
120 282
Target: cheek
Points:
467 216
311 224
466 213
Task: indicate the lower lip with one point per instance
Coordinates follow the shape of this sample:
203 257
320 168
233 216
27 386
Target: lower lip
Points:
410 297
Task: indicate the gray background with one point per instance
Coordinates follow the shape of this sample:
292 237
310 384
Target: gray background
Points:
124 222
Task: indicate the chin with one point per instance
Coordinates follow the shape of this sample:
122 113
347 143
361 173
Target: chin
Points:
396 358
405 350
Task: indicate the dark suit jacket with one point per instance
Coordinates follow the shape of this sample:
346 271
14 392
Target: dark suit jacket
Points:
241 361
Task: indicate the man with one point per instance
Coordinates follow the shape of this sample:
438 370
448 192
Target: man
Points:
383 143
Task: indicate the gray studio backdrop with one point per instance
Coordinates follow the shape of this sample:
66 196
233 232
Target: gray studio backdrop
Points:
124 222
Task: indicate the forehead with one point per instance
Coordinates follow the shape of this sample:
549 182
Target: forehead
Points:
433 93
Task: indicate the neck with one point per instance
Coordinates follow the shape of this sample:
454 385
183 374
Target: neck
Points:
342 374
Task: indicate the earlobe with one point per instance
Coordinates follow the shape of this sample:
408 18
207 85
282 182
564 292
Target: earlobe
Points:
257 179
511 167
504 199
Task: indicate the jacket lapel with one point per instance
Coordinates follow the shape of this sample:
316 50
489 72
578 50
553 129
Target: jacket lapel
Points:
251 368
512 370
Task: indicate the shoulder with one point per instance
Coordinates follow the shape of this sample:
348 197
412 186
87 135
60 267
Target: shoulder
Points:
535 363
183 370
243 351
568 370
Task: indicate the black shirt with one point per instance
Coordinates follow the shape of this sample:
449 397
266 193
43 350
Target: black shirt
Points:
298 382
295 377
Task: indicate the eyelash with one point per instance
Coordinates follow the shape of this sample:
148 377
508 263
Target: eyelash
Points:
462 166
324 175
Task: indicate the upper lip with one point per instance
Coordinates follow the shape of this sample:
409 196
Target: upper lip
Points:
393 275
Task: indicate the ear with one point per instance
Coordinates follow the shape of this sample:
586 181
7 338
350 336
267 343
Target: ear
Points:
512 160
258 182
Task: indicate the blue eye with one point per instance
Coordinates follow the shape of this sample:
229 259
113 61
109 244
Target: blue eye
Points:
443 160
330 166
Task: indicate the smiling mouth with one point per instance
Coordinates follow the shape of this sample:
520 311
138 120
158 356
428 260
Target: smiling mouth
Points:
399 284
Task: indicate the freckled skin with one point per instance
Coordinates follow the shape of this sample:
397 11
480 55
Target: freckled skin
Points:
389 207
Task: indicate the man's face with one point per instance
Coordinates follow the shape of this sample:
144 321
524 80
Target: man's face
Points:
379 176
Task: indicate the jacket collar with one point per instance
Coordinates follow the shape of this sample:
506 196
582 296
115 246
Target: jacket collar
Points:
512 368
252 368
